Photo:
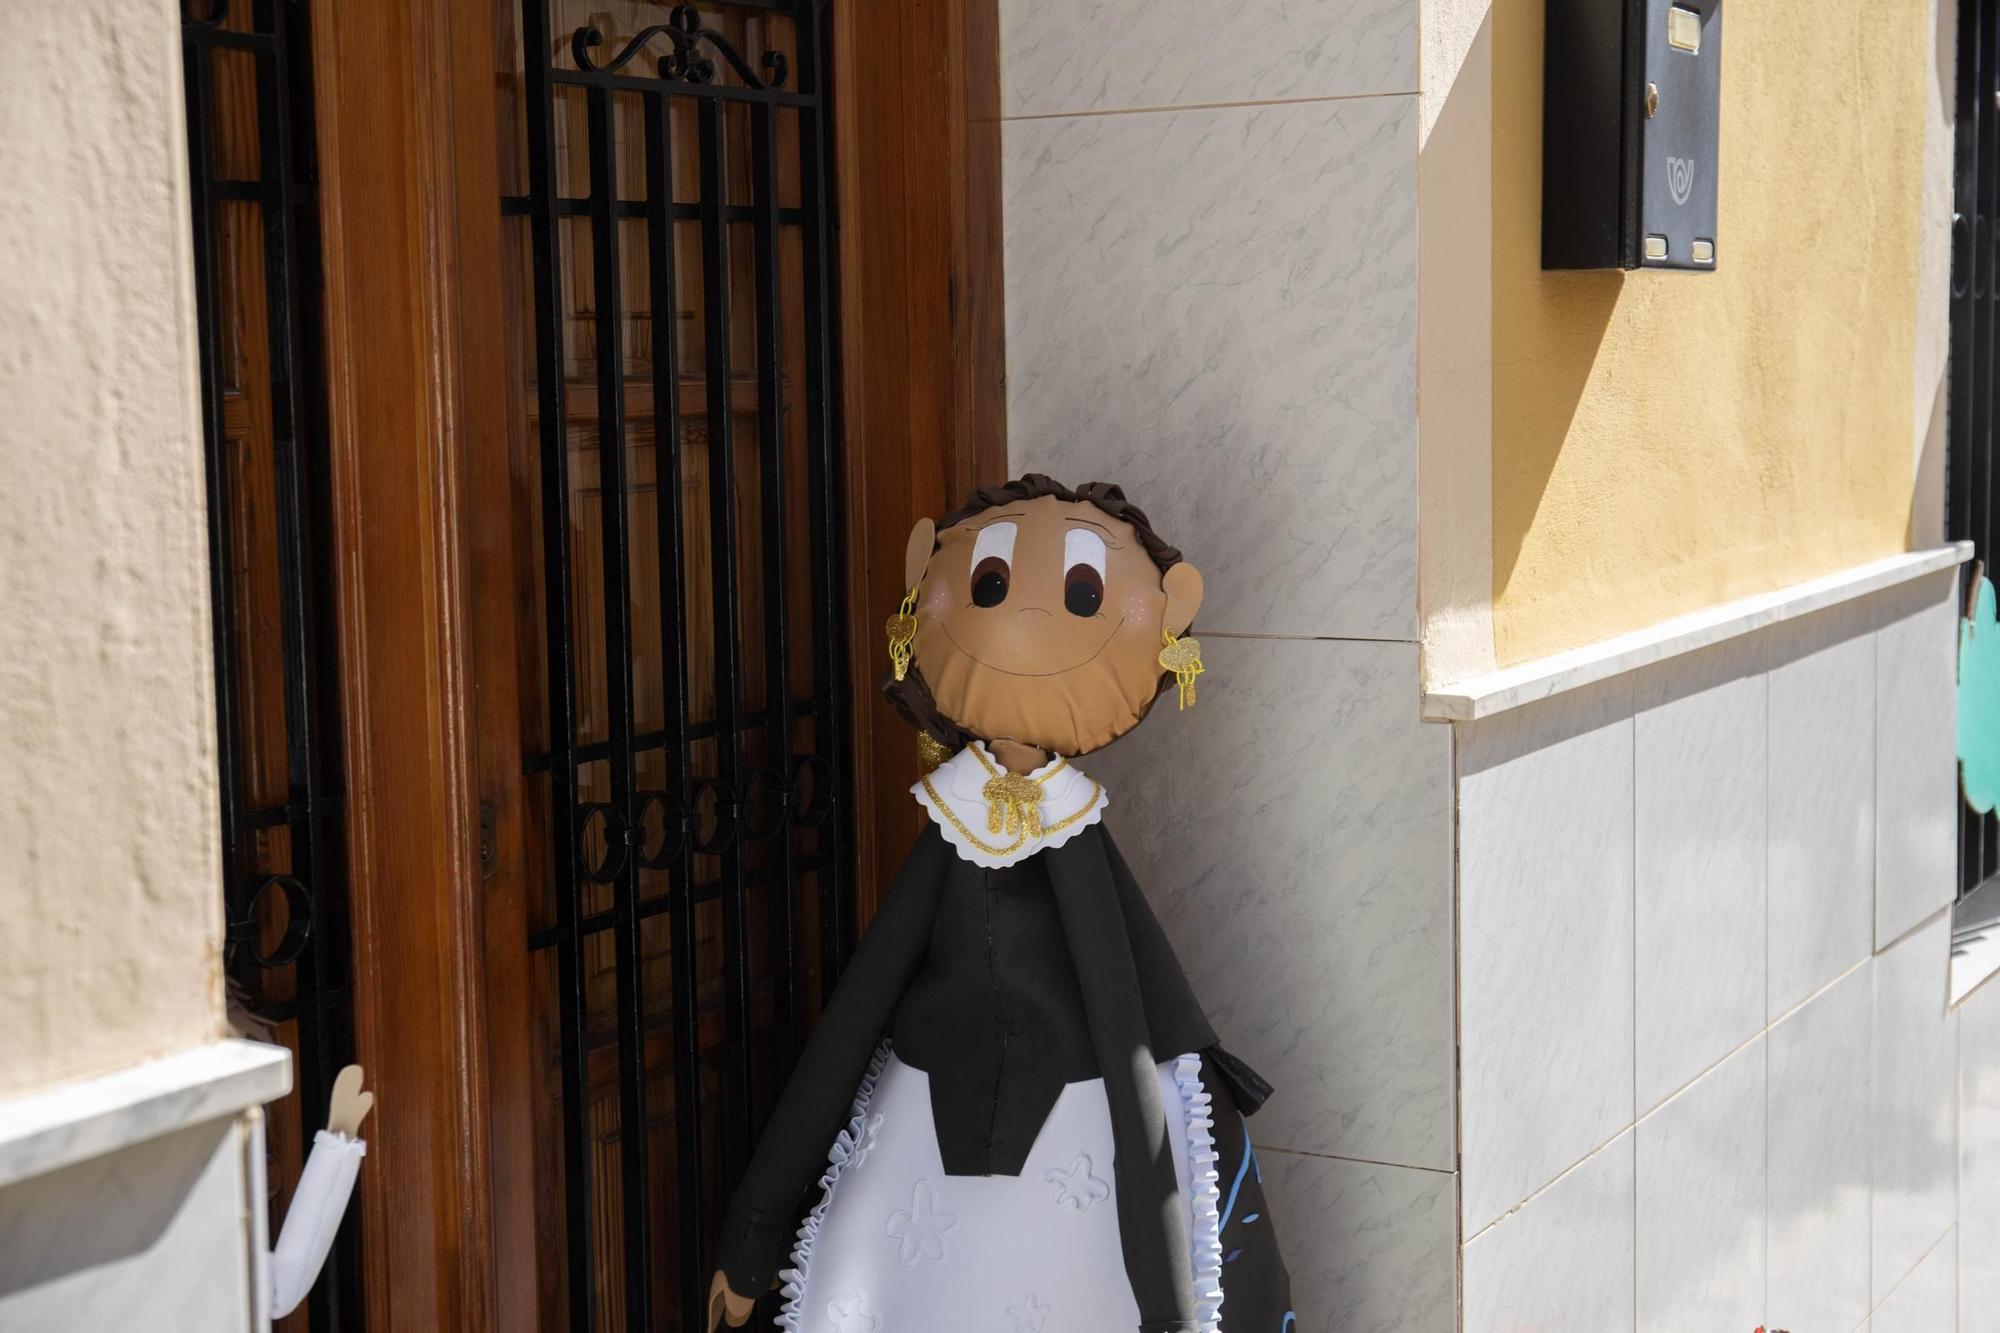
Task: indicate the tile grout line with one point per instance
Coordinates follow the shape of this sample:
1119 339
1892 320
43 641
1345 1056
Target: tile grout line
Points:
1358 1161
1207 106
1874 915
1738 1049
1257 635
1633 686
1875 1307
1764 1231
1459 1029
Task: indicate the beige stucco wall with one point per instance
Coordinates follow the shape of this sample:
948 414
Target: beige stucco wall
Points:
108 858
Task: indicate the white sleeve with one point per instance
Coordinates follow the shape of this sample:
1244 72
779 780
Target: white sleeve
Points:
314 1216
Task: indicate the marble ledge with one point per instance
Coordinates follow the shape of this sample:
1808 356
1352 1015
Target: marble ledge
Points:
1484 695
51 1128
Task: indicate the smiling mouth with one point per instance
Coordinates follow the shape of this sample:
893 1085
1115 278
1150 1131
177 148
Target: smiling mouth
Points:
966 652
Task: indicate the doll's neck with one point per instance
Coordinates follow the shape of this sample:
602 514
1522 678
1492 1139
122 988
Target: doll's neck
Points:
1016 757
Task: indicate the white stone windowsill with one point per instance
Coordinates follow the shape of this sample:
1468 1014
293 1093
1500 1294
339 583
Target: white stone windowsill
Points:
1497 691
51 1128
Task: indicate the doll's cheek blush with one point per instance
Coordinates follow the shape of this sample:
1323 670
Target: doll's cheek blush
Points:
1136 607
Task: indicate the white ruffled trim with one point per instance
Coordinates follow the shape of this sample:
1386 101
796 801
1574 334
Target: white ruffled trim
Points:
844 1145
1205 1184
960 783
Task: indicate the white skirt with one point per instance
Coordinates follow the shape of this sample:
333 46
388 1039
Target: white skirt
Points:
897 1246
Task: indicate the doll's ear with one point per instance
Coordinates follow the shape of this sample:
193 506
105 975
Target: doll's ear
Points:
1183 585
917 555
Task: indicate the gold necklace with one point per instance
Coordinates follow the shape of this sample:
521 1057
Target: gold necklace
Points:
1003 812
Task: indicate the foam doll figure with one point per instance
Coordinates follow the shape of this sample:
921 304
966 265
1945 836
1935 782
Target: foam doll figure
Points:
1032 1125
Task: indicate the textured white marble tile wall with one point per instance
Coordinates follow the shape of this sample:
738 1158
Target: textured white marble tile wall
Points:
1979 1091
1107 55
1217 308
1979 1262
1293 831
149 1237
1819 1073
1916 775
1699 848
1545 941
1927 1300
1701 1202
1372 1249
1565 1259
1914 1121
1822 800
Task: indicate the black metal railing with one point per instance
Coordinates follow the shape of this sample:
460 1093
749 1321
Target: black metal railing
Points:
1970 509
711 795
258 289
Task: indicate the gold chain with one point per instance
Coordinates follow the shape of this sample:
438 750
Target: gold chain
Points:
1043 830
980 754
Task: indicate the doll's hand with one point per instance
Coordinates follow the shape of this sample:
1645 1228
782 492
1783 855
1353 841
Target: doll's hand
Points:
725 1306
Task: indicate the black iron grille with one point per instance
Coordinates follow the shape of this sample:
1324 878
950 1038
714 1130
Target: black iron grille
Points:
670 177
1970 511
257 283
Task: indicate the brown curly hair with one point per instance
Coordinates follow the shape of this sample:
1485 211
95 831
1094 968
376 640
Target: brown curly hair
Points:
911 696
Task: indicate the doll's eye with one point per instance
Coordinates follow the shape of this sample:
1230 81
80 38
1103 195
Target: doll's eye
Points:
989 581
1083 584
992 564
1083 590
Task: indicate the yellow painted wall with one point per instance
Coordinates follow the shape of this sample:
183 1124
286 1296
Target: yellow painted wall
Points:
1664 442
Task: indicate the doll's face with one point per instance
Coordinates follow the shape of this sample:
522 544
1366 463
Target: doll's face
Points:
1040 621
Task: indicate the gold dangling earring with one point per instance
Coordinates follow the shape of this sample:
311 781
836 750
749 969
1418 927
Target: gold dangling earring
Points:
902 628
1183 658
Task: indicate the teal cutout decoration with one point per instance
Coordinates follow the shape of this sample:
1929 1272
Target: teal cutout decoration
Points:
1979 700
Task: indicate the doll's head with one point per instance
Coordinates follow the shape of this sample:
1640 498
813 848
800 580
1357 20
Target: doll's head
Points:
1041 612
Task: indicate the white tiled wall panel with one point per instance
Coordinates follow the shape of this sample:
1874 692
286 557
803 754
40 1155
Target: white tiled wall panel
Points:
1818 1135
1916 777
1293 831
1914 1130
1979 1262
1103 55
1218 309
1979 1090
1545 940
1701 1203
1927 1300
1822 801
1564 1261
1699 853
1370 1248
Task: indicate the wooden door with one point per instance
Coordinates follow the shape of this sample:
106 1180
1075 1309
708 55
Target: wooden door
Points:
639 375
681 587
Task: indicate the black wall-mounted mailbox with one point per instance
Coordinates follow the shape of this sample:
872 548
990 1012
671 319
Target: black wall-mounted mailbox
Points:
1631 100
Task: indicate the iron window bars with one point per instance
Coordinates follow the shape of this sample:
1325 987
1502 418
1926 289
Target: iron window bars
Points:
282 868
742 823
1975 286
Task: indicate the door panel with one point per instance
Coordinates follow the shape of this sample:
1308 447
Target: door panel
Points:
667 318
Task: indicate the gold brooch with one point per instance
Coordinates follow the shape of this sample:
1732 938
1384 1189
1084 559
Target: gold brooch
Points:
1013 805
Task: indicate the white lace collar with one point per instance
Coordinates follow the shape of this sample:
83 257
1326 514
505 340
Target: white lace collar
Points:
954 794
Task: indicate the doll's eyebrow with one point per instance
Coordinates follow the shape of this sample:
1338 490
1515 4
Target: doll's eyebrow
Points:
991 519
1109 538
